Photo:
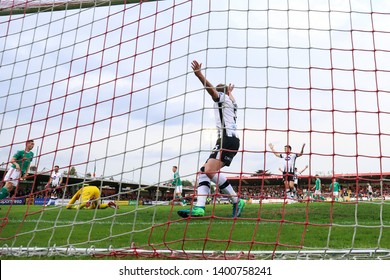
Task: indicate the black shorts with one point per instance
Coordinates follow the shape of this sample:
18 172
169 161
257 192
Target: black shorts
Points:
52 188
226 149
289 176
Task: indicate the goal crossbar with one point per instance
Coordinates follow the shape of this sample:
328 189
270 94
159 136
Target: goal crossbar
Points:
51 6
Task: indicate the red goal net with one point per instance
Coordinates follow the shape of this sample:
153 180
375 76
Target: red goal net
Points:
107 92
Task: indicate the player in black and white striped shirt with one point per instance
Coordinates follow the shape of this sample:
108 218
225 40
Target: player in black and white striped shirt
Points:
289 166
225 149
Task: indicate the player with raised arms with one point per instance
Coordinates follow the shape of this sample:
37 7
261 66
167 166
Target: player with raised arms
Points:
226 147
289 167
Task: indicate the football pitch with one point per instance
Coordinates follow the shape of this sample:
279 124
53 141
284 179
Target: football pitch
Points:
267 227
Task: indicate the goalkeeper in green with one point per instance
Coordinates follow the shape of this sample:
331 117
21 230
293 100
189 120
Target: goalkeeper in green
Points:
88 197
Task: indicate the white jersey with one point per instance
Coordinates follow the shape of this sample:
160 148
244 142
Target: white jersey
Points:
55 178
290 159
225 116
296 178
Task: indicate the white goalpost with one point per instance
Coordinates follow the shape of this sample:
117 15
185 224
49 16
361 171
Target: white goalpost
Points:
106 91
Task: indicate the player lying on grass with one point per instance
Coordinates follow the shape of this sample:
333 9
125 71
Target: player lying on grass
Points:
88 197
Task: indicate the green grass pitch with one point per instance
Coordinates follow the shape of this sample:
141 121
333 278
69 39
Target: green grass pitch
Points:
299 226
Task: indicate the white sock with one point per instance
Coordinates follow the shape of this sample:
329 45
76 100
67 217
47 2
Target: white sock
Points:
233 195
203 192
203 189
221 181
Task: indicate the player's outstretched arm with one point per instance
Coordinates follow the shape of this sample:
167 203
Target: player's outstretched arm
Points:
303 170
229 92
301 153
196 67
271 146
73 200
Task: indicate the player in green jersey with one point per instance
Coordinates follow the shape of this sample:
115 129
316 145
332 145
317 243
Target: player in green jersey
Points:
335 188
317 189
20 164
176 182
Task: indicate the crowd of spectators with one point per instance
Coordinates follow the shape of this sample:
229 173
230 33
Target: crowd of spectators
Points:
270 192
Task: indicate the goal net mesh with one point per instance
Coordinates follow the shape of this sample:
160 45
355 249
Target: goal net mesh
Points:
106 91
